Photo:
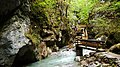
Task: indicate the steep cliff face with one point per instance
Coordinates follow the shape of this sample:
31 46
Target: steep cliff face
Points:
14 23
8 8
12 39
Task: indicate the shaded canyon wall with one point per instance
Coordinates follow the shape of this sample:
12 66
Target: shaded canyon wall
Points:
14 23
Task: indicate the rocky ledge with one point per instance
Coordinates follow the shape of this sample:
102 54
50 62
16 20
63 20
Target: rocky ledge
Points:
101 59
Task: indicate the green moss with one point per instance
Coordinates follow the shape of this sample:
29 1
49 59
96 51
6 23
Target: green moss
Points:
33 34
34 37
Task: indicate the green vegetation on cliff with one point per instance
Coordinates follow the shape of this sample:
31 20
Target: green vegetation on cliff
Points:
61 15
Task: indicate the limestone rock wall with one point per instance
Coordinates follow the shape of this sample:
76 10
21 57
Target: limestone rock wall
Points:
14 23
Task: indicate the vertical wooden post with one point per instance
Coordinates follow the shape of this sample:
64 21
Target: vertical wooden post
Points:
79 51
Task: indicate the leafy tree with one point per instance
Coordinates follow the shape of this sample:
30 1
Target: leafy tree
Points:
103 14
80 10
105 17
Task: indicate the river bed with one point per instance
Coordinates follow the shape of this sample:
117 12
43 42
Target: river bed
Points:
63 58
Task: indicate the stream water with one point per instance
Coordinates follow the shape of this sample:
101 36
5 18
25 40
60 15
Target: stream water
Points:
63 58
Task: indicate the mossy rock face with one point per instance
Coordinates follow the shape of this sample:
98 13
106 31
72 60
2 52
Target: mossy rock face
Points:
115 48
50 43
117 36
42 50
35 38
65 38
113 38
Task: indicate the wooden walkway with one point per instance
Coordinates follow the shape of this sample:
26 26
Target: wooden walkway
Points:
90 44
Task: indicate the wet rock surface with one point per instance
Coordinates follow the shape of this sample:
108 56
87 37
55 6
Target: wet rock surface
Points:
25 56
115 48
101 59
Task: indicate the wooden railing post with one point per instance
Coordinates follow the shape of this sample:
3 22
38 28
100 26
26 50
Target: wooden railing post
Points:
79 50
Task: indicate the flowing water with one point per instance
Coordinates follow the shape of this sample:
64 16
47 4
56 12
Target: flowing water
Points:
63 58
